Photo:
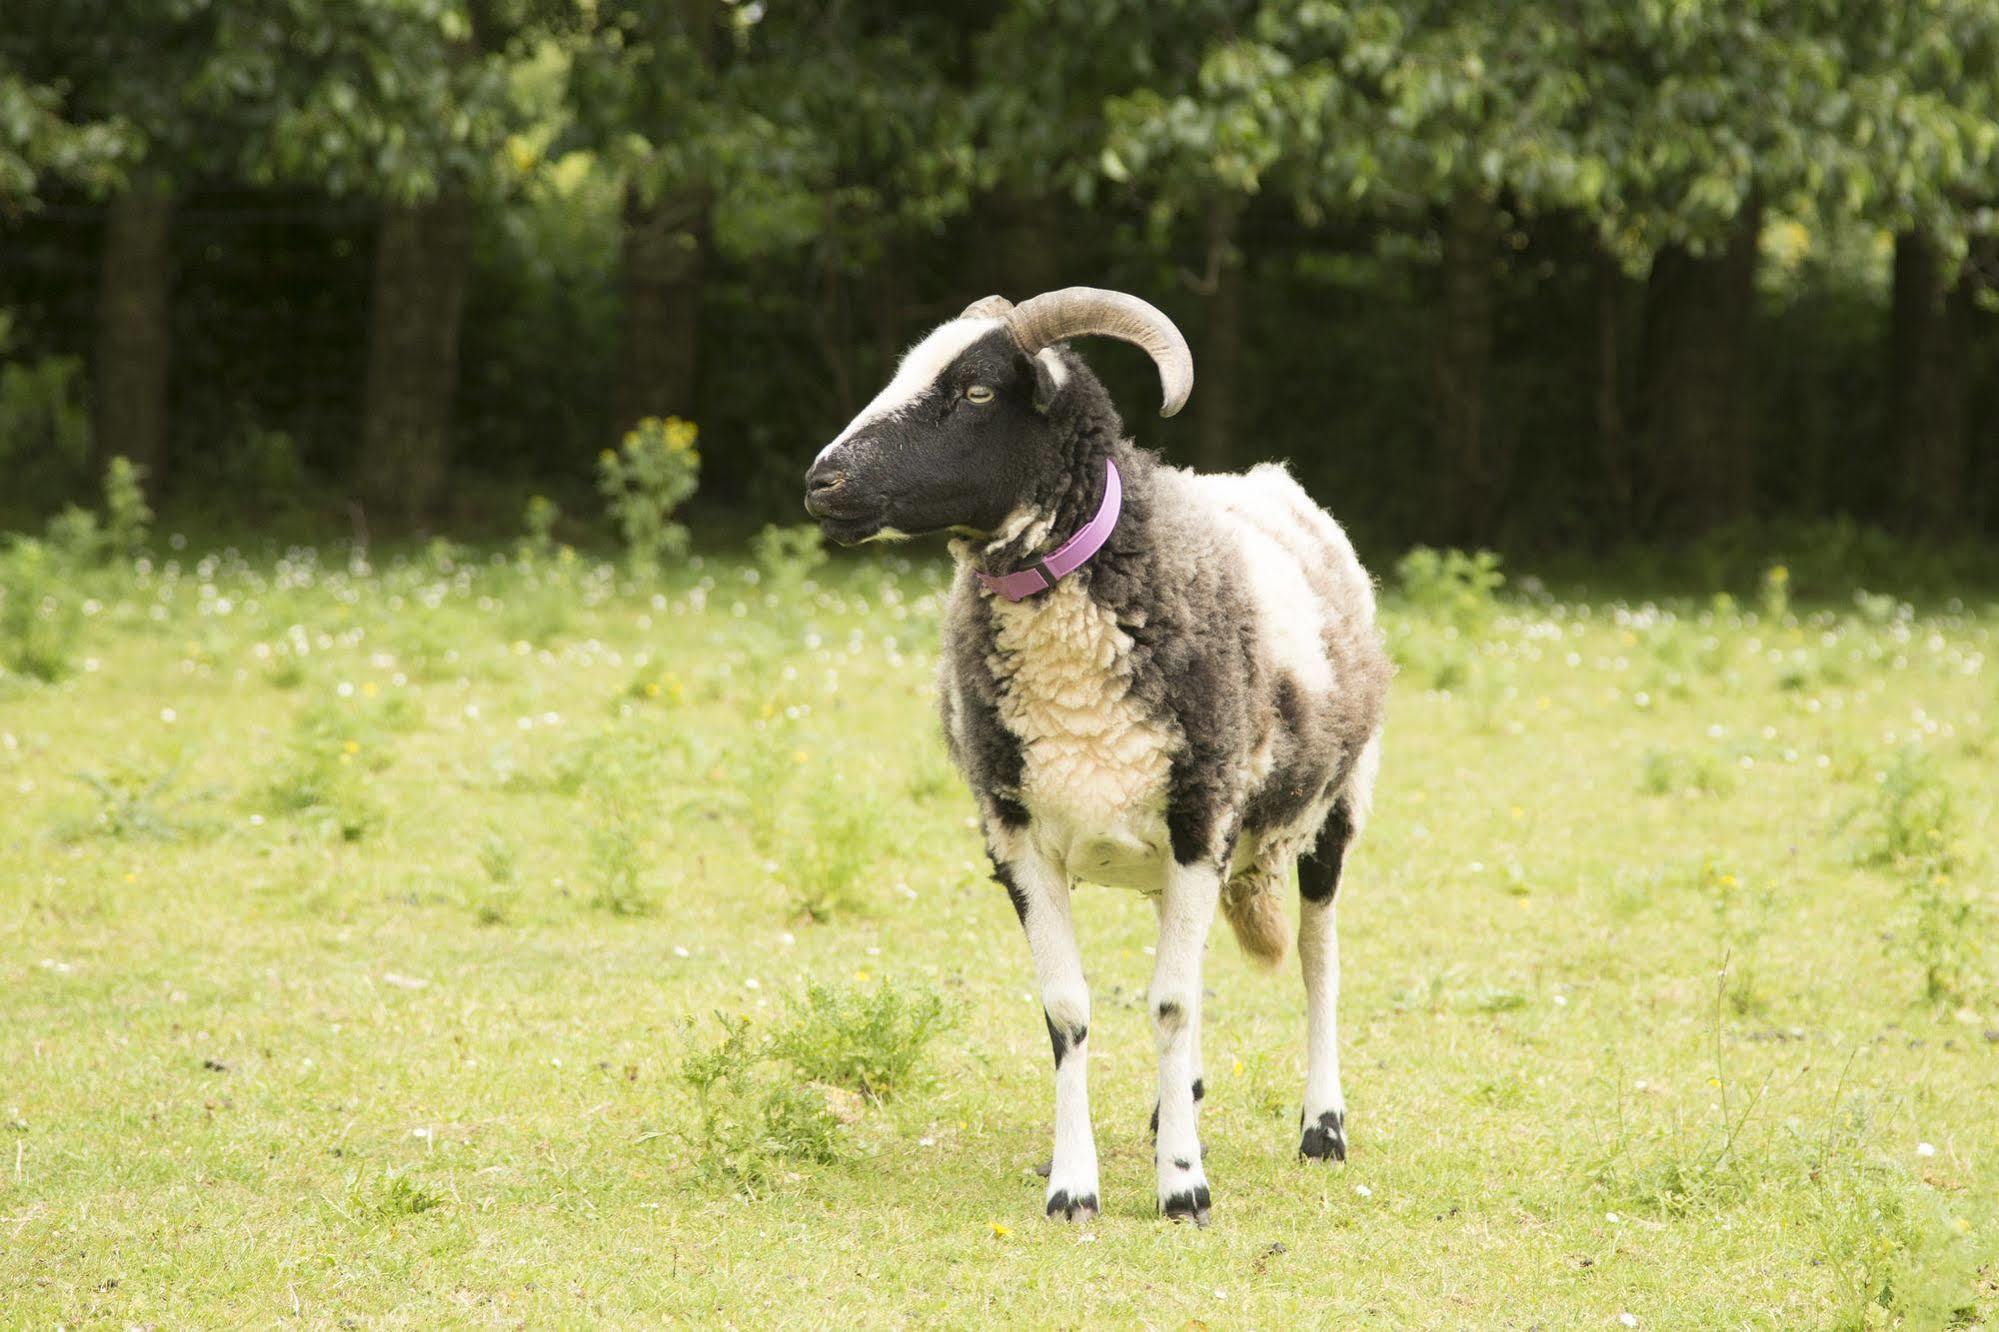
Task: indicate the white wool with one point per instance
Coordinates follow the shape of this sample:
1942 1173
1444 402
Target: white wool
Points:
1096 765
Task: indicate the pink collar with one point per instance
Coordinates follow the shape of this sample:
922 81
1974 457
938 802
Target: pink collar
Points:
1073 553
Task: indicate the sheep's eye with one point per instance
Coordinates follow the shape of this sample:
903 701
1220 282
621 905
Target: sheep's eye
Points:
979 393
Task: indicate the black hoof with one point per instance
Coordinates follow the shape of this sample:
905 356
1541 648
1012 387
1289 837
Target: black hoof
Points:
1062 1207
1325 1140
1188 1206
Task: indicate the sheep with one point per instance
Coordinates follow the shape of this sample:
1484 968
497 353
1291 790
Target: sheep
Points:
1151 679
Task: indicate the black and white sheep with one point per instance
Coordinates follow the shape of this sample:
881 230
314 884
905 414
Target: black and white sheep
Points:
1190 712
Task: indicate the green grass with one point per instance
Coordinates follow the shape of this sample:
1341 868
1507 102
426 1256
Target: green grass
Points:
363 932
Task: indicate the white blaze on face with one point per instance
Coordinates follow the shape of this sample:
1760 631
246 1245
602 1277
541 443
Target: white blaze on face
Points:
917 371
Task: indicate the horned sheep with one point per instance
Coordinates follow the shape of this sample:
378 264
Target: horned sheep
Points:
1151 679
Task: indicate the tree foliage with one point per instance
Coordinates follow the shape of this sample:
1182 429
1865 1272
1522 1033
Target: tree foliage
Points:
847 170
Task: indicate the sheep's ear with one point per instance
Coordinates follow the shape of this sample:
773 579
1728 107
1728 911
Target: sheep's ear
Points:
1049 377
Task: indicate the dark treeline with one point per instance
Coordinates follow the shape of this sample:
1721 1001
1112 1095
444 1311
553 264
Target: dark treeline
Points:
1536 276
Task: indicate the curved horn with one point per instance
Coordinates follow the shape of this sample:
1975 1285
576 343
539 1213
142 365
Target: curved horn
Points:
988 307
1082 311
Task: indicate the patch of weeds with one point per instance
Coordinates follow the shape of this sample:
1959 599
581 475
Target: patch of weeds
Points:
1912 820
825 872
1500 1093
392 1197
1899 1258
1451 586
402 1196
538 522
652 685
77 538
325 775
1672 1171
822 845
1269 1086
1741 918
1665 772
753 1126
1776 593
539 604
128 519
617 847
787 557
40 620
130 803
868 1041
493 899
1452 603
1911 832
1492 999
286 669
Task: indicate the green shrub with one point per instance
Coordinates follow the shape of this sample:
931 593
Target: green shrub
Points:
786 557
128 519
753 1126
324 774
1450 599
619 883
1911 832
130 803
45 435
869 1041
1452 587
538 522
40 620
644 480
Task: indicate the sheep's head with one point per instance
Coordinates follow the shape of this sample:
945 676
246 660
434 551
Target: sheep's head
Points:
959 436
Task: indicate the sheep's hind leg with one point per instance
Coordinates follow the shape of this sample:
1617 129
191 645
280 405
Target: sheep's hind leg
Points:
1324 1121
1185 913
1040 894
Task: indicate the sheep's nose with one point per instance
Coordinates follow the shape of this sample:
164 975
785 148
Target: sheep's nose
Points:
820 484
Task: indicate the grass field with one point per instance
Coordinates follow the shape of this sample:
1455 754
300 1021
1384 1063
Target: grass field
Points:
364 932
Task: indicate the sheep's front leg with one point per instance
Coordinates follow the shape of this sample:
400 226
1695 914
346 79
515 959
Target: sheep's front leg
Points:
1159 909
1186 910
1040 893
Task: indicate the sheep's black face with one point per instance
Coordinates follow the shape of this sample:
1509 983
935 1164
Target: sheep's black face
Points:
954 443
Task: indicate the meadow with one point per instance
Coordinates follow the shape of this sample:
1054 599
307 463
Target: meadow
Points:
483 936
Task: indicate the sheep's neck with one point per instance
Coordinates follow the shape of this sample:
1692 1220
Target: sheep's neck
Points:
1032 531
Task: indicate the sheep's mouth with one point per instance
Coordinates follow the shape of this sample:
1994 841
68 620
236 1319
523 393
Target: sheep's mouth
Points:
845 519
848 531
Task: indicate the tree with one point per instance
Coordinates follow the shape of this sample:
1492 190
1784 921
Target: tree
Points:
409 102
114 68
1188 131
40 140
644 91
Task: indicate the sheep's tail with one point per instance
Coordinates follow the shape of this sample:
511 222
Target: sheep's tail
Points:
1254 903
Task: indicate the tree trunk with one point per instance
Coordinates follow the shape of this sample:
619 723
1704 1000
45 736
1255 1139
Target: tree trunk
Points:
1465 472
132 337
1612 431
1926 445
421 258
1697 309
1221 346
664 253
